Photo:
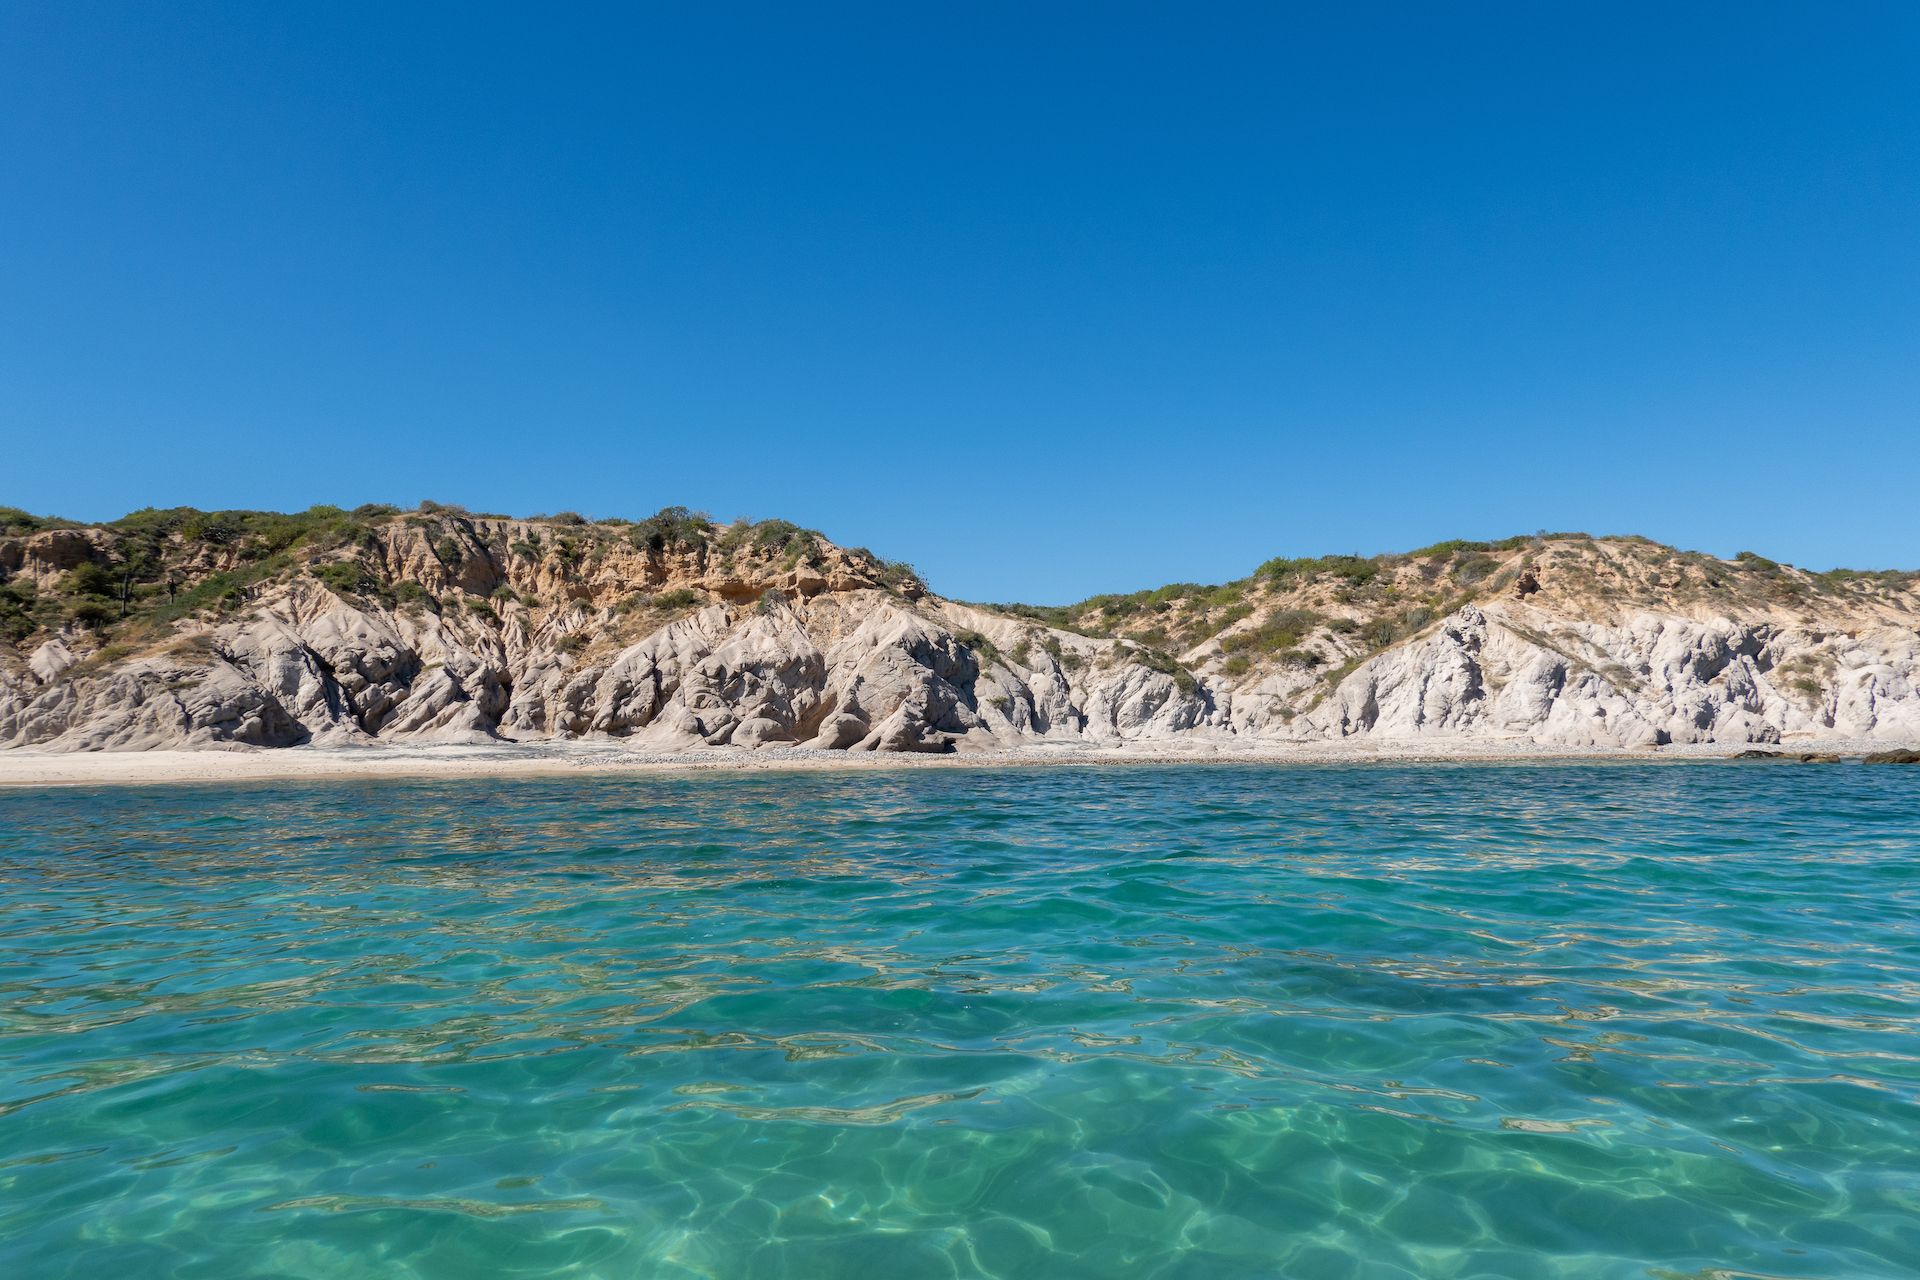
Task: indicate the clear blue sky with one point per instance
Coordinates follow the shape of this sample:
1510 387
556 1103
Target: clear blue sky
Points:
1047 299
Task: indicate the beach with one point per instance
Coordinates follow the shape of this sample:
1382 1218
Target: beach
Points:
25 768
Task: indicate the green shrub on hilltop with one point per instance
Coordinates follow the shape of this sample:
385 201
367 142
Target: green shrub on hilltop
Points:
1053 615
777 534
1189 600
253 534
768 535
671 527
1448 549
898 575
1894 578
15 522
1355 571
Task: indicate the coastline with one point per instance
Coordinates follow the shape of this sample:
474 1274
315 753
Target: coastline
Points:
27 768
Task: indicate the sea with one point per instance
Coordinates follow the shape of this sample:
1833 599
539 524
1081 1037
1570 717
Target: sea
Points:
1534 1020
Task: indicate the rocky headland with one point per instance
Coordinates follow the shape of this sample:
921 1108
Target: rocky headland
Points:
181 629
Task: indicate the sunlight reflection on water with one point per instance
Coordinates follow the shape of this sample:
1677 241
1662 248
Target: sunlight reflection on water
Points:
1530 1021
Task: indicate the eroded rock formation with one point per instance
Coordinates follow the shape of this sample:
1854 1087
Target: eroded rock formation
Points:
677 634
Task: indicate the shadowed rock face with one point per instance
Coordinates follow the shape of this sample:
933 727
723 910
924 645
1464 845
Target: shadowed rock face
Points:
462 628
860 671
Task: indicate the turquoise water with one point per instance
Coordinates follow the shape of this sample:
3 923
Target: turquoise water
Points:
1433 1021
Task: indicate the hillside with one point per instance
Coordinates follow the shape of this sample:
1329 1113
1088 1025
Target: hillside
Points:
189 628
1623 609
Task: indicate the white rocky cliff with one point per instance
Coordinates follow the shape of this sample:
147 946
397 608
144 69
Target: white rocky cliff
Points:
676 634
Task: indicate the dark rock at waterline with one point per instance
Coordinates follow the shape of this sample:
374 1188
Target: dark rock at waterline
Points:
1894 757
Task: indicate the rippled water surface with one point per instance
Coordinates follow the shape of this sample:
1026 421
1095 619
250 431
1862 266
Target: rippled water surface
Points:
1432 1021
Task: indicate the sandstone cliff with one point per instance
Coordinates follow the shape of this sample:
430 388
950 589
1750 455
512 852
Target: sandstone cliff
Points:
191 629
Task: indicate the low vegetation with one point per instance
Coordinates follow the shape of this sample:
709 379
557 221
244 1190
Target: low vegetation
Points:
1313 620
141 573
1303 621
671 528
1166 664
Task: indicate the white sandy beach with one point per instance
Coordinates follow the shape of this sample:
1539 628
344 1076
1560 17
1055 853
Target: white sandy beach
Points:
21 768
